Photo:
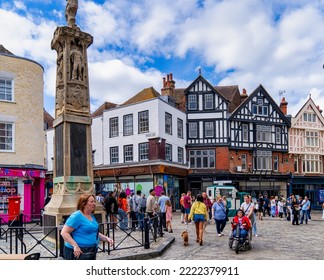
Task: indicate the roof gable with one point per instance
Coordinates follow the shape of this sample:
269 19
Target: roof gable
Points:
309 106
200 84
4 50
105 106
258 92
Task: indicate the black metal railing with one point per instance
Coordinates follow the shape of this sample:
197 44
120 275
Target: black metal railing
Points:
25 235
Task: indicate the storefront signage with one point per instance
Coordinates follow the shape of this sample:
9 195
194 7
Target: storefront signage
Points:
8 190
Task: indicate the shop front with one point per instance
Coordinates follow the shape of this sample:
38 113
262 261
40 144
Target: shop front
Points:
172 184
25 183
310 186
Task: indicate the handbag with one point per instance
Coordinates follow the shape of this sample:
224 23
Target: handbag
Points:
88 253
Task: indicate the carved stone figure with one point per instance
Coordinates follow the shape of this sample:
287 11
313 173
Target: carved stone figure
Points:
59 63
59 98
70 12
76 65
77 98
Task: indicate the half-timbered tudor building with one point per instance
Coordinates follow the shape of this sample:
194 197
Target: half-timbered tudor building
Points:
207 109
258 150
306 146
140 144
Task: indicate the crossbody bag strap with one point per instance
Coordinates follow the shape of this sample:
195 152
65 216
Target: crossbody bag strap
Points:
221 207
247 208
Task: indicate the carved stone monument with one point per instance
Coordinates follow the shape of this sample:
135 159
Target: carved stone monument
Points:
73 174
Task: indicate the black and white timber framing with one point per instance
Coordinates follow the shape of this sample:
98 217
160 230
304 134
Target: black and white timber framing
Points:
207 111
259 124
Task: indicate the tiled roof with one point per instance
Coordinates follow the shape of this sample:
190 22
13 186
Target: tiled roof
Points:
145 94
103 107
4 50
180 98
232 94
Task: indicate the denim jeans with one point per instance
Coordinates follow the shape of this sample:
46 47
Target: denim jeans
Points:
304 213
243 233
123 219
140 217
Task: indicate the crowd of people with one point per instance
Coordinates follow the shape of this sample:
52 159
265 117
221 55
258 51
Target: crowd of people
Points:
296 210
81 231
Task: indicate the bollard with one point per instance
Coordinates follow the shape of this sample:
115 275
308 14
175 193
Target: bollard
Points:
146 222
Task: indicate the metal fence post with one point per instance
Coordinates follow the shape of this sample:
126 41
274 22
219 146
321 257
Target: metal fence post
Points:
146 222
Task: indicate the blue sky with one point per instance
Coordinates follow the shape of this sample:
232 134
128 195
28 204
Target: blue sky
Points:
278 44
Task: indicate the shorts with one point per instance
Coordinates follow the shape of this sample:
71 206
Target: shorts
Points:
199 218
187 210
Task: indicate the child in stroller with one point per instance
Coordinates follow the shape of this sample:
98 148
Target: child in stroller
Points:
239 238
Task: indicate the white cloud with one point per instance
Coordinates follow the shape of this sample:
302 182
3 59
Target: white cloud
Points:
275 43
116 82
20 5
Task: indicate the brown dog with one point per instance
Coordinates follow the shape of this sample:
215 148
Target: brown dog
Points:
185 237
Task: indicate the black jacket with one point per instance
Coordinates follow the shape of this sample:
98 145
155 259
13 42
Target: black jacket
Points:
111 205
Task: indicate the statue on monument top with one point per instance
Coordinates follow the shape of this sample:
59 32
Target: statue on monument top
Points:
70 12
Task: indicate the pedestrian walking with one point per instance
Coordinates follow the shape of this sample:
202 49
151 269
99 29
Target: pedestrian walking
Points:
187 201
259 207
219 215
273 206
81 231
199 214
254 225
280 209
209 205
161 201
248 208
168 215
295 211
123 210
182 208
138 200
111 207
305 205
266 205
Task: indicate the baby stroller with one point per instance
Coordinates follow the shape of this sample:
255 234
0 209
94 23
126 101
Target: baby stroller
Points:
238 243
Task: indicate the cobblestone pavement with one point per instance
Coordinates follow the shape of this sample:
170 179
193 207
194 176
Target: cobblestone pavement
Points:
277 240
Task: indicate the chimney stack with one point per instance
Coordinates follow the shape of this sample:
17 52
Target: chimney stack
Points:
244 95
283 105
168 86
319 109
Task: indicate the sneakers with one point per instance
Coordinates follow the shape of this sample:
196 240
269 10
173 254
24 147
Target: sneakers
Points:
219 235
256 235
222 234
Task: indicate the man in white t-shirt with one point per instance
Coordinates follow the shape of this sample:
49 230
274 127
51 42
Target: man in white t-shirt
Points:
248 208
